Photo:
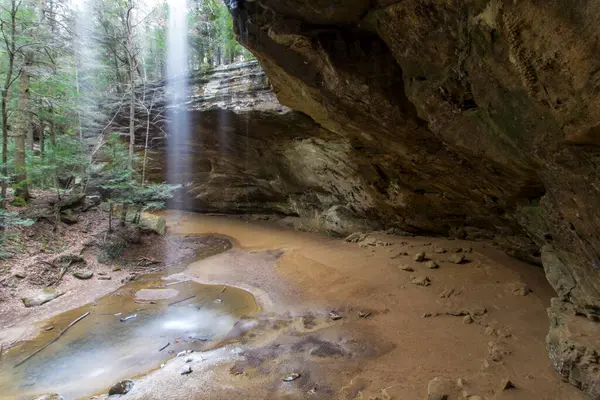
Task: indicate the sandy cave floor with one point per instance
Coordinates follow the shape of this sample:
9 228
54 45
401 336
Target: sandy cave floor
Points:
392 353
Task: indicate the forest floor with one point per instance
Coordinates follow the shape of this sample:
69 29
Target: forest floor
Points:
339 320
46 255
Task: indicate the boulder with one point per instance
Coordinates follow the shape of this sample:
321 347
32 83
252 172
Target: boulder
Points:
122 387
41 297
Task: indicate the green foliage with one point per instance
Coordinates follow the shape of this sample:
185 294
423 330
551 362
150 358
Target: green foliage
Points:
9 219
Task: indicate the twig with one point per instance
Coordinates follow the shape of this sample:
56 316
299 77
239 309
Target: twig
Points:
53 340
176 283
182 300
165 346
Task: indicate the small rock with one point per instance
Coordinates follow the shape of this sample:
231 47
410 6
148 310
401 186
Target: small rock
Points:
489 331
521 289
102 273
83 274
236 370
122 387
496 352
507 384
446 293
291 377
421 281
186 369
355 237
406 268
419 257
457 258
432 265
104 278
68 217
437 389
42 297
478 312
467 319
20 275
334 315
439 250
402 253
117 268
189 360
162 365
49 328
364 314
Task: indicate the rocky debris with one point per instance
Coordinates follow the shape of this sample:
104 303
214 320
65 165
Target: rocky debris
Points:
419 257
440 389
356 237
406 268
334 315
236 370
91 202
572 346
478 311
364 314
184 353
44 296
83 274
68 217
420 281
291 377
49 396
186 369
496 352
121 388
446 293
506 384
20 275
432 264
104 278
399 232
457 258
439 250
467 319
520 289
402 253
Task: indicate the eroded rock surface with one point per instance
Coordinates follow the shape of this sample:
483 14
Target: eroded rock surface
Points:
477 119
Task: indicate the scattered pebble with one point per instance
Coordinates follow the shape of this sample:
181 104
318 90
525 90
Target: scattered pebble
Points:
457 258
432 265
402 253
446 293
186 369
421 281
439 250
83 275
117 268
291 377
334 315
364 314
521 289
419 257
467 319
406 268
104 278
507 384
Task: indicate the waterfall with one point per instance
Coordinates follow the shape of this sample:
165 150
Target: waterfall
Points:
178 128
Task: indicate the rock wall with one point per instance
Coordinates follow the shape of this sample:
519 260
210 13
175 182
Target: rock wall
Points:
477 118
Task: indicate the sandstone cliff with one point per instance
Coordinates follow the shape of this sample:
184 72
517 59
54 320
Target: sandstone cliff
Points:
470 118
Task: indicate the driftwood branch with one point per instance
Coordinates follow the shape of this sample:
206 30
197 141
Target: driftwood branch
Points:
52 341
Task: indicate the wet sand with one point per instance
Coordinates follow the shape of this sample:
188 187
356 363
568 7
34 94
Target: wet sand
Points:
393 337
299 278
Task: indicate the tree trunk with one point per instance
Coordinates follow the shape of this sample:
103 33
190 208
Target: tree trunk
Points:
124 210
52 131
22 131
42 139
10 49
110 214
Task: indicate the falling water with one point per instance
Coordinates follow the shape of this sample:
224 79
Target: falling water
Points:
178 129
